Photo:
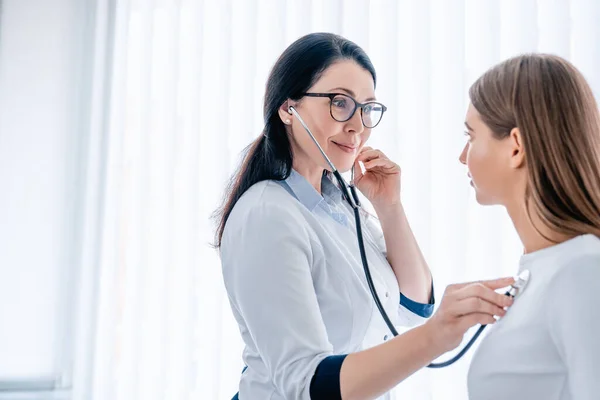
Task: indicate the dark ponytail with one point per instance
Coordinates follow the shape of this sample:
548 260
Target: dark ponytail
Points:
270 156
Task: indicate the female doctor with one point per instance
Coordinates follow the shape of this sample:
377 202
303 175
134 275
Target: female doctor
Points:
290 259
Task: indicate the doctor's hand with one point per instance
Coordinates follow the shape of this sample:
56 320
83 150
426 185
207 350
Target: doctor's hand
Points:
463 306
381 181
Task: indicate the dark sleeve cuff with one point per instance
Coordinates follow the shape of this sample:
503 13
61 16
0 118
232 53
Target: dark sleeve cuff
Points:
325 383
422 310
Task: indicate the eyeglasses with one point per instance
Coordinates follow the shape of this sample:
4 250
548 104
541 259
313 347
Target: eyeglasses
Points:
342 107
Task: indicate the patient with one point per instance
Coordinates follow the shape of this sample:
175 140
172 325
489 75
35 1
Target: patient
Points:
533 147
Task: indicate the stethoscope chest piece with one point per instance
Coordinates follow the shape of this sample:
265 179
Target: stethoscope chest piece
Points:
520 283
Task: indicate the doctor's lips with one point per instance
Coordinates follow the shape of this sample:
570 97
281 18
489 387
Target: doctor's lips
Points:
348 148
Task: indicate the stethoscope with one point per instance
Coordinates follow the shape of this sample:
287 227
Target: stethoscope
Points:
349 192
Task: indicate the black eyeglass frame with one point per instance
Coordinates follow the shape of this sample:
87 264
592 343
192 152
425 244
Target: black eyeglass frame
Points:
357 105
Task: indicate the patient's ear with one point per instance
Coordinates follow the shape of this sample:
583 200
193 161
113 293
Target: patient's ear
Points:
517 151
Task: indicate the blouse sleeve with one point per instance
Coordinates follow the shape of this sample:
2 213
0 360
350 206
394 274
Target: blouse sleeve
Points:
267 254
410 312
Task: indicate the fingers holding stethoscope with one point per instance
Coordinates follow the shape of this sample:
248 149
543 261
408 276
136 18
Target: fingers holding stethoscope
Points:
480 290
476 305
477 298
466 305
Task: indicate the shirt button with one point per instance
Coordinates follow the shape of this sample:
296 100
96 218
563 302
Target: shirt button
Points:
386 337
387 294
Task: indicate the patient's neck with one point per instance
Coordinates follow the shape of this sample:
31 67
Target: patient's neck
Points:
533 239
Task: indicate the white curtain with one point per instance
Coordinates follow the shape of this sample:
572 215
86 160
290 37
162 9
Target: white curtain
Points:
182 90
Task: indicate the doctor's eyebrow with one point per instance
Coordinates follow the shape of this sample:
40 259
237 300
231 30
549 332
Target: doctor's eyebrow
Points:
468 127
351 93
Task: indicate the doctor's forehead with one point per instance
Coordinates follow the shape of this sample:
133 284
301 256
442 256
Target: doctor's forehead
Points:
348 77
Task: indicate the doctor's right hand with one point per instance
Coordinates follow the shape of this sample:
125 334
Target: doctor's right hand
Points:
463 306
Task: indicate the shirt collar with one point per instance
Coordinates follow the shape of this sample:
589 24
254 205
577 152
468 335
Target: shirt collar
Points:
308 195
303 190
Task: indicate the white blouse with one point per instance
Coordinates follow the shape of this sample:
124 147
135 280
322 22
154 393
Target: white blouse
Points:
548 344
297 287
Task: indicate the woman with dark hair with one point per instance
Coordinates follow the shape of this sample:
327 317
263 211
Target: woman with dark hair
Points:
533 147
287 240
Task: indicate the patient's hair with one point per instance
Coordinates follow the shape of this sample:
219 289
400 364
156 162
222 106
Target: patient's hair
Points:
553 106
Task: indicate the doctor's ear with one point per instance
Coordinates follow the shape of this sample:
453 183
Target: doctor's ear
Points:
285 113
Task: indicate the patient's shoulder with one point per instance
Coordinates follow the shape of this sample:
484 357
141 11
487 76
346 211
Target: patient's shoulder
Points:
578 274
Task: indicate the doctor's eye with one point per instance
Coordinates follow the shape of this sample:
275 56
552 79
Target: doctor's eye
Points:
339 102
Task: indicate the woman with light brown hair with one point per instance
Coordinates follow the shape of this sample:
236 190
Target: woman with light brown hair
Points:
533 146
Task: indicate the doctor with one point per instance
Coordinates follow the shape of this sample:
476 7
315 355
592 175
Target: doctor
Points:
290 259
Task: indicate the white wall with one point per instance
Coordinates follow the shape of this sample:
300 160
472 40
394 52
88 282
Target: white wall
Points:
40 64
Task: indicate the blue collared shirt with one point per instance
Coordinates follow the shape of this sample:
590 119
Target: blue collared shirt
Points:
297 288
